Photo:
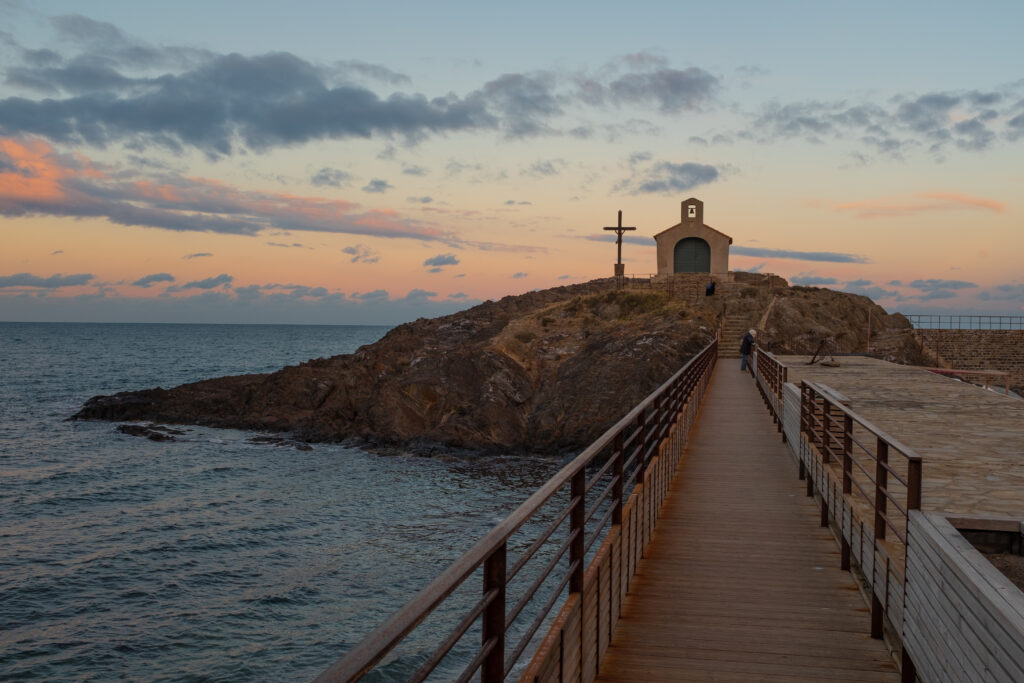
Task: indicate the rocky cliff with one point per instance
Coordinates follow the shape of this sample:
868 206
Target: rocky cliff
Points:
544 371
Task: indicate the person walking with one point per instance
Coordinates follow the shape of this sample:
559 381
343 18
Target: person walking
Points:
746 346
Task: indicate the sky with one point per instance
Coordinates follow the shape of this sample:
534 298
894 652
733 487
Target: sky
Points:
372 163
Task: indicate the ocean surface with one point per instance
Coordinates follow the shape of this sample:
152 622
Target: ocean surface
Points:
209 558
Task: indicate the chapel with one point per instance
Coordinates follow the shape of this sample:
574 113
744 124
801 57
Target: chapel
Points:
690 246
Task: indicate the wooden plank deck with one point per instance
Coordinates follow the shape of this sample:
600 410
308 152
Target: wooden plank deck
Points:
741 583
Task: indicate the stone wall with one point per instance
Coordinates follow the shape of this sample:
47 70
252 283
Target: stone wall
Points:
979 350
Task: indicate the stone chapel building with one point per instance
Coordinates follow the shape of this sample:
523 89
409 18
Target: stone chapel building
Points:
692 247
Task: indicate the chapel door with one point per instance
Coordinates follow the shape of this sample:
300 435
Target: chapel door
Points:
692 255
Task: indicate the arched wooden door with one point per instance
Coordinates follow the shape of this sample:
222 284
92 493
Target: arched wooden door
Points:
692 255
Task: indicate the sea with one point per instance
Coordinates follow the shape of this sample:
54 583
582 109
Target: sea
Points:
211 557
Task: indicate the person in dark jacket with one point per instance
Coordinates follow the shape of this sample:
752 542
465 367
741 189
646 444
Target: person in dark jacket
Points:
746 346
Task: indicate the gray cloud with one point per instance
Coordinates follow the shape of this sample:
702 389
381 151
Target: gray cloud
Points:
940 289
865 288
970 121
526 102
52 282
540 169
665 177
1011 292
417 295
378 185
812 280
627 238
518 276
374 72
198 254
361 254
671 89
415 170
330 176
827 256
222 280
264 101
297 304
375 295
151 279
937 294
442 260
929 285
514 202
420 200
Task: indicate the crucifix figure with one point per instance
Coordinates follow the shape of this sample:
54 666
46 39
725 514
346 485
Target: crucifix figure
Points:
619 229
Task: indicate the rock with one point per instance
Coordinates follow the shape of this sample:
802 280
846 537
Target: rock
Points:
151 432
545 371
280 441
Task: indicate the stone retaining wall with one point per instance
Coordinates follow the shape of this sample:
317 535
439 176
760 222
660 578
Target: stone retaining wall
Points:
980 350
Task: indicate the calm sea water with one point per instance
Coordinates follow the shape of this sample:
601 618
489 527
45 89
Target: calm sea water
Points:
209 558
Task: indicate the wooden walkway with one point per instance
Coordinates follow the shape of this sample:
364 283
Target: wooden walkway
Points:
742 584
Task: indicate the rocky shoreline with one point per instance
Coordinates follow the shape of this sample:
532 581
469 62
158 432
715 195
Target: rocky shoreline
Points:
542 372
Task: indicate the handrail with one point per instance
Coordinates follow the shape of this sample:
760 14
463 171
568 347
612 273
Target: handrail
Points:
771 376
835 434
965 322
648 419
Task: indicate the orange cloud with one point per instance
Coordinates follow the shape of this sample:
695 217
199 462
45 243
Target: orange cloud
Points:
919 203
36 180
32 170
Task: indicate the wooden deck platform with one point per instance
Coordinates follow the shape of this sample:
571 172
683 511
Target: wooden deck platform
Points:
742 584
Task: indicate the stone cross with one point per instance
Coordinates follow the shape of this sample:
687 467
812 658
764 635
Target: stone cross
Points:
619 229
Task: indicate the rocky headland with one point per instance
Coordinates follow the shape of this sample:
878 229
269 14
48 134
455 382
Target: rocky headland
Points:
544 371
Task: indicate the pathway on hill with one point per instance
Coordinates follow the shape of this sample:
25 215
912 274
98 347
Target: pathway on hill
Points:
742 584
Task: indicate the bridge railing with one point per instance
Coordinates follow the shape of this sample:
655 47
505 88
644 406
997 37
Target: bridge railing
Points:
868 482
966 322
771 377
610 492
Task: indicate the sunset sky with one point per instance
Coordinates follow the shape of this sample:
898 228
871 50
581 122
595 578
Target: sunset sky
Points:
358 163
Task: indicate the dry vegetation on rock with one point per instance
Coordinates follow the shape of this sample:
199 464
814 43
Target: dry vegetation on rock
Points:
543 371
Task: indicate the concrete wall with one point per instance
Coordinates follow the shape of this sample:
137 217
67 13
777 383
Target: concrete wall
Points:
964 620
980 350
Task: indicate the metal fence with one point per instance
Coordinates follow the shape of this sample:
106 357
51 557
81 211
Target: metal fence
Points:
966 322
610 493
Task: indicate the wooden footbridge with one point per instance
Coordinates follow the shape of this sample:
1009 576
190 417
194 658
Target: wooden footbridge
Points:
688 543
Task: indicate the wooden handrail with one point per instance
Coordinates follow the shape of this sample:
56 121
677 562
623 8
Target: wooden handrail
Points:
646 423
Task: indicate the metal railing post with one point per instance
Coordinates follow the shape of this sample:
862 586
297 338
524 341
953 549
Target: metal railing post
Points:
617 473
844 561
826 426
913 484
881 486
493 668
577 495
641 463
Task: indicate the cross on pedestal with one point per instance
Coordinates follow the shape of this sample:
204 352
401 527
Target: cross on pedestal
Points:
619 229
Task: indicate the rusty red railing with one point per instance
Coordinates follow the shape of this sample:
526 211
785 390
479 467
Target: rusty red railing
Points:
589 496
